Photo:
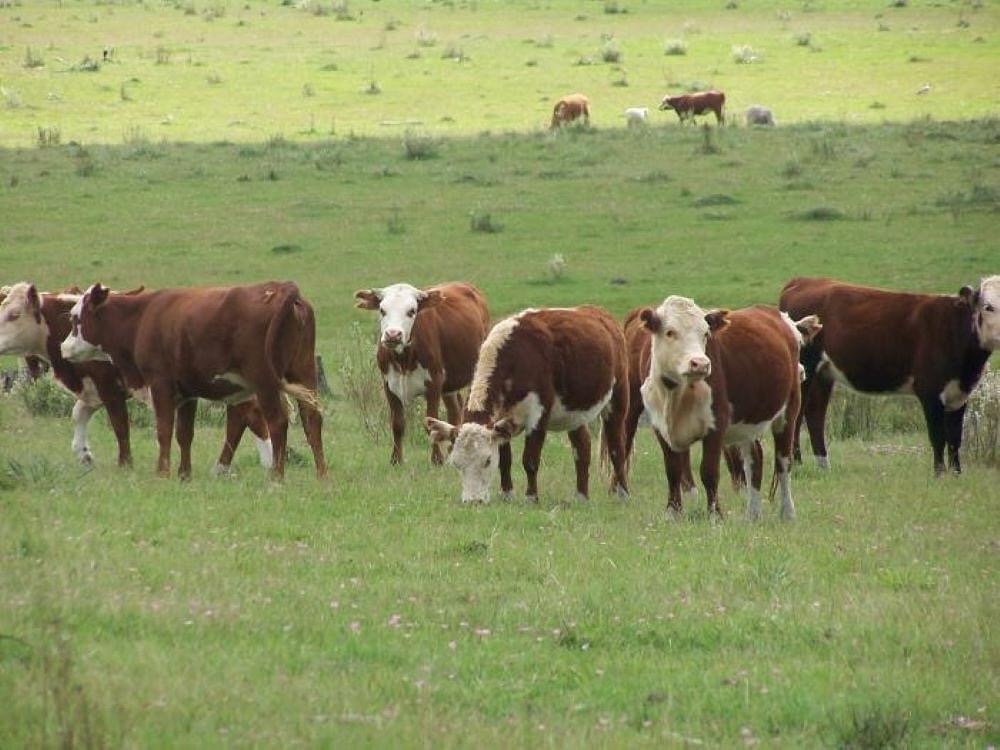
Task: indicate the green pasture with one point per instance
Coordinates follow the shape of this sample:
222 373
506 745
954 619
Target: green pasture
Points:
371 609
200 70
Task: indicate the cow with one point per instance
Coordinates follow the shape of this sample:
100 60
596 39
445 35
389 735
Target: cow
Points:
636 116
221 343
428 343
688 105
759 115
554 369
933 346
33 324
570 108
719 377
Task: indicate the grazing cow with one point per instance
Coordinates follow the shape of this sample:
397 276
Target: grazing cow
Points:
428 343
33 324
224 343
877 341
720 377
688 105
570 108
541 370
636 116
759 115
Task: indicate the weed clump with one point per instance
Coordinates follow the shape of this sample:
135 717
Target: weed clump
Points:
744 54
32 59
875 727
982 421
821 213
716 199
48 136
483 221
44 397
418 146
611 52
675 47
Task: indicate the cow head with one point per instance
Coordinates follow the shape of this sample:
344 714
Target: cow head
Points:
398 306
985 304
81 343
668 102
22 329
680 331
804 330
475 453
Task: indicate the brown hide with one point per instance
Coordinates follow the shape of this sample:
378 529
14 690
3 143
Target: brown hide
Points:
883 341
181 341
570 108
688 105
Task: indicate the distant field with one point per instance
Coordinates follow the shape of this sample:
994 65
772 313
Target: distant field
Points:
203 70
232 142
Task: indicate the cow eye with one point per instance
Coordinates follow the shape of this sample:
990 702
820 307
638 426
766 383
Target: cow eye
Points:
988 308
412 312
381 311
670 333
488 462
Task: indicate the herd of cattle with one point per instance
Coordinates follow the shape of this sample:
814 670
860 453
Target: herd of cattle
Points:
720 377
687 106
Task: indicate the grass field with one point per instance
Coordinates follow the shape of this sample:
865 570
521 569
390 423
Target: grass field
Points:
371 608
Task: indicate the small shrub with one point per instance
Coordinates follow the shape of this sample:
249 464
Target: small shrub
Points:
732 5
708 144
307 90
341 11
716 199
556 267
86 65
791 169
876 105
426 38
32 59
483 221
620 82
286 249
611 7
11 99
162 55
875 727
44 397
804 39
372 88
546 42
982 421
134 135
417 146
898 3
453 52
362 384
744 54
611 53
394 224
391 25
821 213
675 47
213 79
48 136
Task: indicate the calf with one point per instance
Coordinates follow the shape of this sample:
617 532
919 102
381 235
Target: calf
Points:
932 346
720 377
428 343
635 116
226 344
688 105
570 108
33 324
541 370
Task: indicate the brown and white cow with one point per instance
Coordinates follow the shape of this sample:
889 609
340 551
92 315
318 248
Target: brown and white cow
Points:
570 108
428 344
225 344
554 369
688 105
884 342
33 324
720 377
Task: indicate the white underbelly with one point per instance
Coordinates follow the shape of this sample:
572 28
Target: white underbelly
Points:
562 419
407 385
745 432
244 394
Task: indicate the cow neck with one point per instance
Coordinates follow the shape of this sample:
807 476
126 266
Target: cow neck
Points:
126 311
404 361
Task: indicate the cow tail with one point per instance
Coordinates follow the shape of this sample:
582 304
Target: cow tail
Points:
286 311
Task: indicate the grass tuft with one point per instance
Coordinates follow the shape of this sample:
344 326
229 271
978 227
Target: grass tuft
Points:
821 213
483 221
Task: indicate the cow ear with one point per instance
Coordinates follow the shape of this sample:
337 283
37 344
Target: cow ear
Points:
98 294
72 289
367 299
809 327
132 292
430 299
440 431
651 320
717 320
967 295
504 430
34 302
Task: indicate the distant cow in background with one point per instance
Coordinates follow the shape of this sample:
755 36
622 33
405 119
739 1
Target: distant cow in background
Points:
570 108
428 344
759 115
688 105
636 116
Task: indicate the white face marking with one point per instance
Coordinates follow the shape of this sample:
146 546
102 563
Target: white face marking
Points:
75 348
407 386
398 306
678 348
20 332
952 396
988 313
475 453
488 353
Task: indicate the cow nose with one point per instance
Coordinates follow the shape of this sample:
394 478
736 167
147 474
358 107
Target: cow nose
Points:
393 334
700 366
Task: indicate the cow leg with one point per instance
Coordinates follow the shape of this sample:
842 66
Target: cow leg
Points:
82 412
185 434
935 417
162 396
673 465
118 417
635 408
580 440
397 421
953 421
506 460
531 459
433 398
736 462
252 418
711 457
613 437
453 407
272 407
749 471
236 423
687 477
312 426
817 399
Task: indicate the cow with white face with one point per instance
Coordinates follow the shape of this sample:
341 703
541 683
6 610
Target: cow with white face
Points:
555 369
986 302
428 343
723 378
32 324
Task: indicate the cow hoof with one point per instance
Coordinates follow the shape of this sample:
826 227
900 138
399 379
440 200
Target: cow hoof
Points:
86 458
673 513
788 516
507 495
396 460
533 499
581 498
622 493
221 470
823 462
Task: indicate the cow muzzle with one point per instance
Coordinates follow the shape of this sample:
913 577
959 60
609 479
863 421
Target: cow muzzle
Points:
393 338
699 368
